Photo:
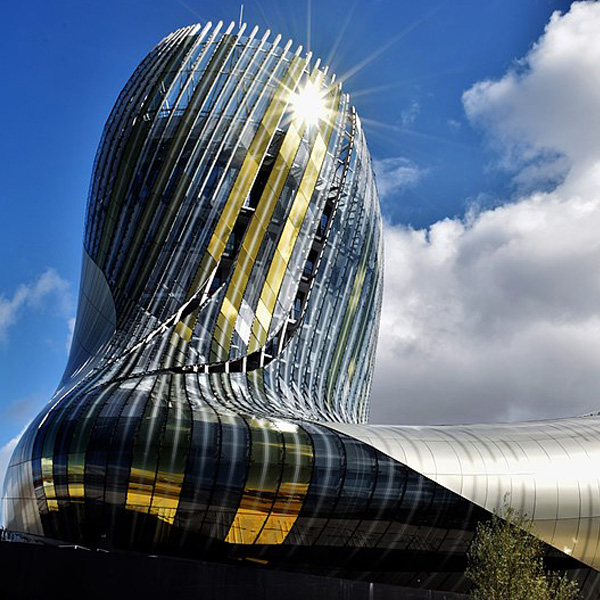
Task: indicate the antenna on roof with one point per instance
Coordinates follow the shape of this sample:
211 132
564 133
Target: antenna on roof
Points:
241 14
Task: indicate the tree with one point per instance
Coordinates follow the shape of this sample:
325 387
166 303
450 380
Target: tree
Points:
505 563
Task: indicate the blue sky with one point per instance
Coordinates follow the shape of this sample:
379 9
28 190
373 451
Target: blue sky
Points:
440 155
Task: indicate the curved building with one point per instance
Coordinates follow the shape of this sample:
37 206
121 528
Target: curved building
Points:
215 400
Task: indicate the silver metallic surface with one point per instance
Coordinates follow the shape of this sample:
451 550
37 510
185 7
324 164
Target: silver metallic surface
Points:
549 470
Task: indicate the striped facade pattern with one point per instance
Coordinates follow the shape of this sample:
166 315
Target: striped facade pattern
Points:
218 221
215 400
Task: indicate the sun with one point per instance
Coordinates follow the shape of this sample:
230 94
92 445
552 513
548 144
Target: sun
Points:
308 104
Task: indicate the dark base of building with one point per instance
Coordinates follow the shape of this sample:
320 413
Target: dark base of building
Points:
39 571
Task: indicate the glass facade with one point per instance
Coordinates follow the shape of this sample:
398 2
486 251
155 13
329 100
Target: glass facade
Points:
215 400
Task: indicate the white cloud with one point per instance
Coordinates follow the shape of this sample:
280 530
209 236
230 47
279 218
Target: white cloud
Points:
453 125
409 115
48 286
550 100
396 174
496 316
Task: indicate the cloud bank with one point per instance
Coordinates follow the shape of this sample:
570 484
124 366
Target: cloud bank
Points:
496 316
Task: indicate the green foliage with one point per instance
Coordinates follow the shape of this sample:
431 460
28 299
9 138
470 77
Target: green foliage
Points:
505 563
